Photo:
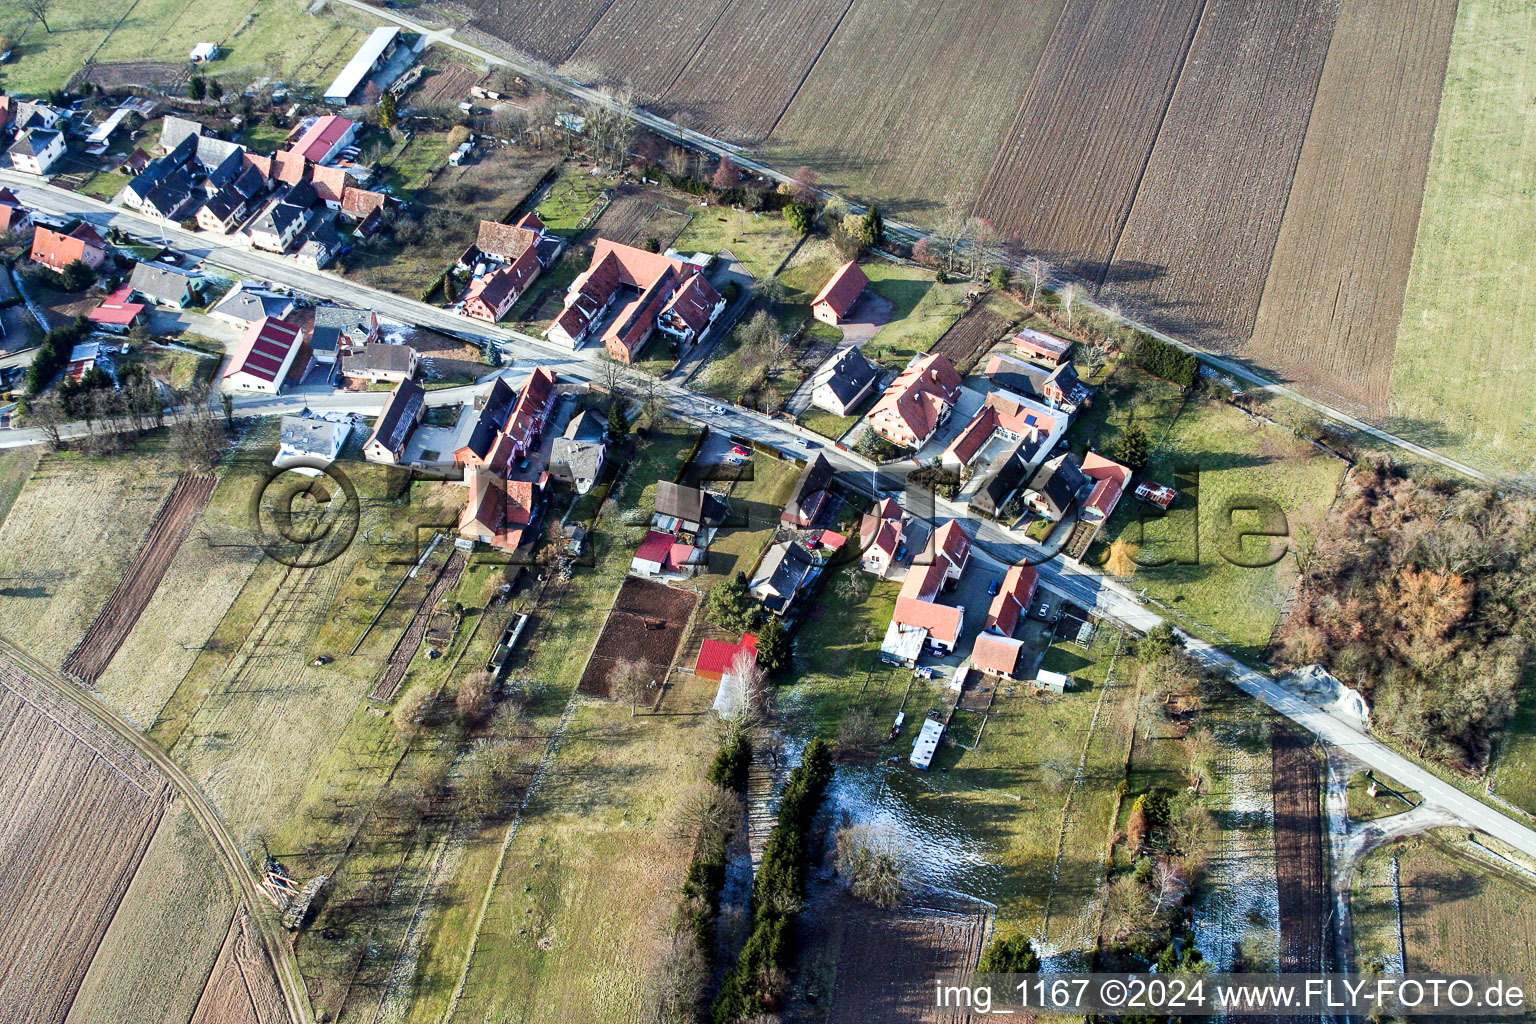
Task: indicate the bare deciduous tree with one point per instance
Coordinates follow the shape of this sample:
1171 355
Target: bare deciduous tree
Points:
473 701
630 680
39 9
1038 272
1069 294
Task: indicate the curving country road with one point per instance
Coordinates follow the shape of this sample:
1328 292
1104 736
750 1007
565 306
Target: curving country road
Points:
279 951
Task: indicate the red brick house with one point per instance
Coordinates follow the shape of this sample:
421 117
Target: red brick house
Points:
839 295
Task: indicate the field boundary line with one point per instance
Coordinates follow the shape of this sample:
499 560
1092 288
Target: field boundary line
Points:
1146 161
820 52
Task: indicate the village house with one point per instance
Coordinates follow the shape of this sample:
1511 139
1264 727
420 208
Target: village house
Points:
310 442
1041 347
882 535
363 211
492 294
277 226
917 403
644 286
690 313
265 357
15 219
341 330
380 363
812 494
920 622
504 492
1055 486
718 659
36 150
117 312
843 381
577 455
88 356
1005 421
321 139
662 554
320 246
1109 480
500 510
56 250
684 509
840 294
330 184
786 570
244 305
1057 387
405 408
163 285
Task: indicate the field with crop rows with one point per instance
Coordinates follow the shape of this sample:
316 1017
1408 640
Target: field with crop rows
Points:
947 135
65 873
1197 244
118 616
1326 318
644 44
67 540
1068 170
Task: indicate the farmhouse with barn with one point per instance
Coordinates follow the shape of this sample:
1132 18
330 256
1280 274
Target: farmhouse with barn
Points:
920 622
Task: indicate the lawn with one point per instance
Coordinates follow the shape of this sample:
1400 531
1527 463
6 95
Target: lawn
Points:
1239 462
103 185
259 37
829 424
761 241
1472 288
589 870
923 309
570 199
1364 807
16 465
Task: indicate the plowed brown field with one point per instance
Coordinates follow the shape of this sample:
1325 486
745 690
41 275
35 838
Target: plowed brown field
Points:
80 807
646 625
1196 248
907 143
1331 306
549 30
1297 789
1073 156
243 988
645 44
742 77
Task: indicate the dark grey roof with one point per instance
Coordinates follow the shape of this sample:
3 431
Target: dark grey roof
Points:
170 197
251 306
277 218
851 374
249 183
302 195
324 236
498 404
482 438
814 479
1058 481
785 569
398 419
379 357
175 130
161 283
34 140
690 504
586 425
1003 475
225 204
345 318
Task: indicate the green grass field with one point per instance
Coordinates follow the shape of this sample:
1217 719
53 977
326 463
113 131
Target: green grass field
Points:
1240 460
761 241
1464 349
259 37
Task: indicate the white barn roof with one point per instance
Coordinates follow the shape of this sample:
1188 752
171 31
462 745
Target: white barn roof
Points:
927 743
361 63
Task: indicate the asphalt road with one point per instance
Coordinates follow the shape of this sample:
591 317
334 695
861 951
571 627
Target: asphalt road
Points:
1080 584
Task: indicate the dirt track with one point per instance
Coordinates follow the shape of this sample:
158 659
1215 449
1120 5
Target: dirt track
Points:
1304 935
410 641
132 593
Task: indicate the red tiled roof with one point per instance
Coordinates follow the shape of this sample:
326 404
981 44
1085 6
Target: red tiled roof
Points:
116 308
264 347
321 136
1013 599
58 251
923 581
843 290
694 303
1039 343
507 241
288 167
974 435
716 656
359 202
330 183
942 621
12 215
953 543
256 160
996 655
1111 477
491 292
920 394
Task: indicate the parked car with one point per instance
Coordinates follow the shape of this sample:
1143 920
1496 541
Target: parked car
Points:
993 587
